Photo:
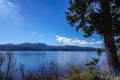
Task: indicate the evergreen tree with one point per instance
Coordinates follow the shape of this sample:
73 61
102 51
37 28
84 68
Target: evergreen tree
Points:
101 17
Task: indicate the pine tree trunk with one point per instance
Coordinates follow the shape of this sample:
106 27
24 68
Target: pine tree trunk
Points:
109 41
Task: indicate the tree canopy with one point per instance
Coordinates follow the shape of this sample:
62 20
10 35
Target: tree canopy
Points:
87 15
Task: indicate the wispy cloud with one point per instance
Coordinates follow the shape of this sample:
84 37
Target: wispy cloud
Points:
34 33
10 4
37 34
76 41
9 12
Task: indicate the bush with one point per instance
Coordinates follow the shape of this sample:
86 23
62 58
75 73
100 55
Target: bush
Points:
92 75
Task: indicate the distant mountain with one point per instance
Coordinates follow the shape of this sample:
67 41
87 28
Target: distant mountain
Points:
42 47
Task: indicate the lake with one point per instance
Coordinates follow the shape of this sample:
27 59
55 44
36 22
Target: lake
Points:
32 59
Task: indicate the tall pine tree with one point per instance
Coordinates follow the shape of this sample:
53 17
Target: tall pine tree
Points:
101 17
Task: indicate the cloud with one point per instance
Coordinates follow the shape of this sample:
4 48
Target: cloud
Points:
37 34
10 4
40 35
34 33
9 12
76 41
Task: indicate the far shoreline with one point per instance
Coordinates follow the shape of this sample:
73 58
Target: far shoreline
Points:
49 50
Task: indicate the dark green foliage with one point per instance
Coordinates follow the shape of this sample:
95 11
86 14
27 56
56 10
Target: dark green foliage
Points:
87 15
92 75
99 52
91 65
76 73
82 15
118 45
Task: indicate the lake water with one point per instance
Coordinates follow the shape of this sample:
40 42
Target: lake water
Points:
32 59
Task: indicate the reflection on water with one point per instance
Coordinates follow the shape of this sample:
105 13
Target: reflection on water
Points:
31 59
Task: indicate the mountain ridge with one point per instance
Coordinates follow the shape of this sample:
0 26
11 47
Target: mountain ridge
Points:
42 47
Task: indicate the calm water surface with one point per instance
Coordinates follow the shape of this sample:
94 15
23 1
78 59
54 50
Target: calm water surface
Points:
31 59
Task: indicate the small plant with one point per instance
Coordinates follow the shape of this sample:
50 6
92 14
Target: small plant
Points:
91 75
76 73
1 63
75 77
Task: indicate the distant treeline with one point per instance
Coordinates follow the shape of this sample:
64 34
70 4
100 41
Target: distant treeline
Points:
42 47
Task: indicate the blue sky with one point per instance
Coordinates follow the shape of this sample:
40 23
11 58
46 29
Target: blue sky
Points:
39 21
